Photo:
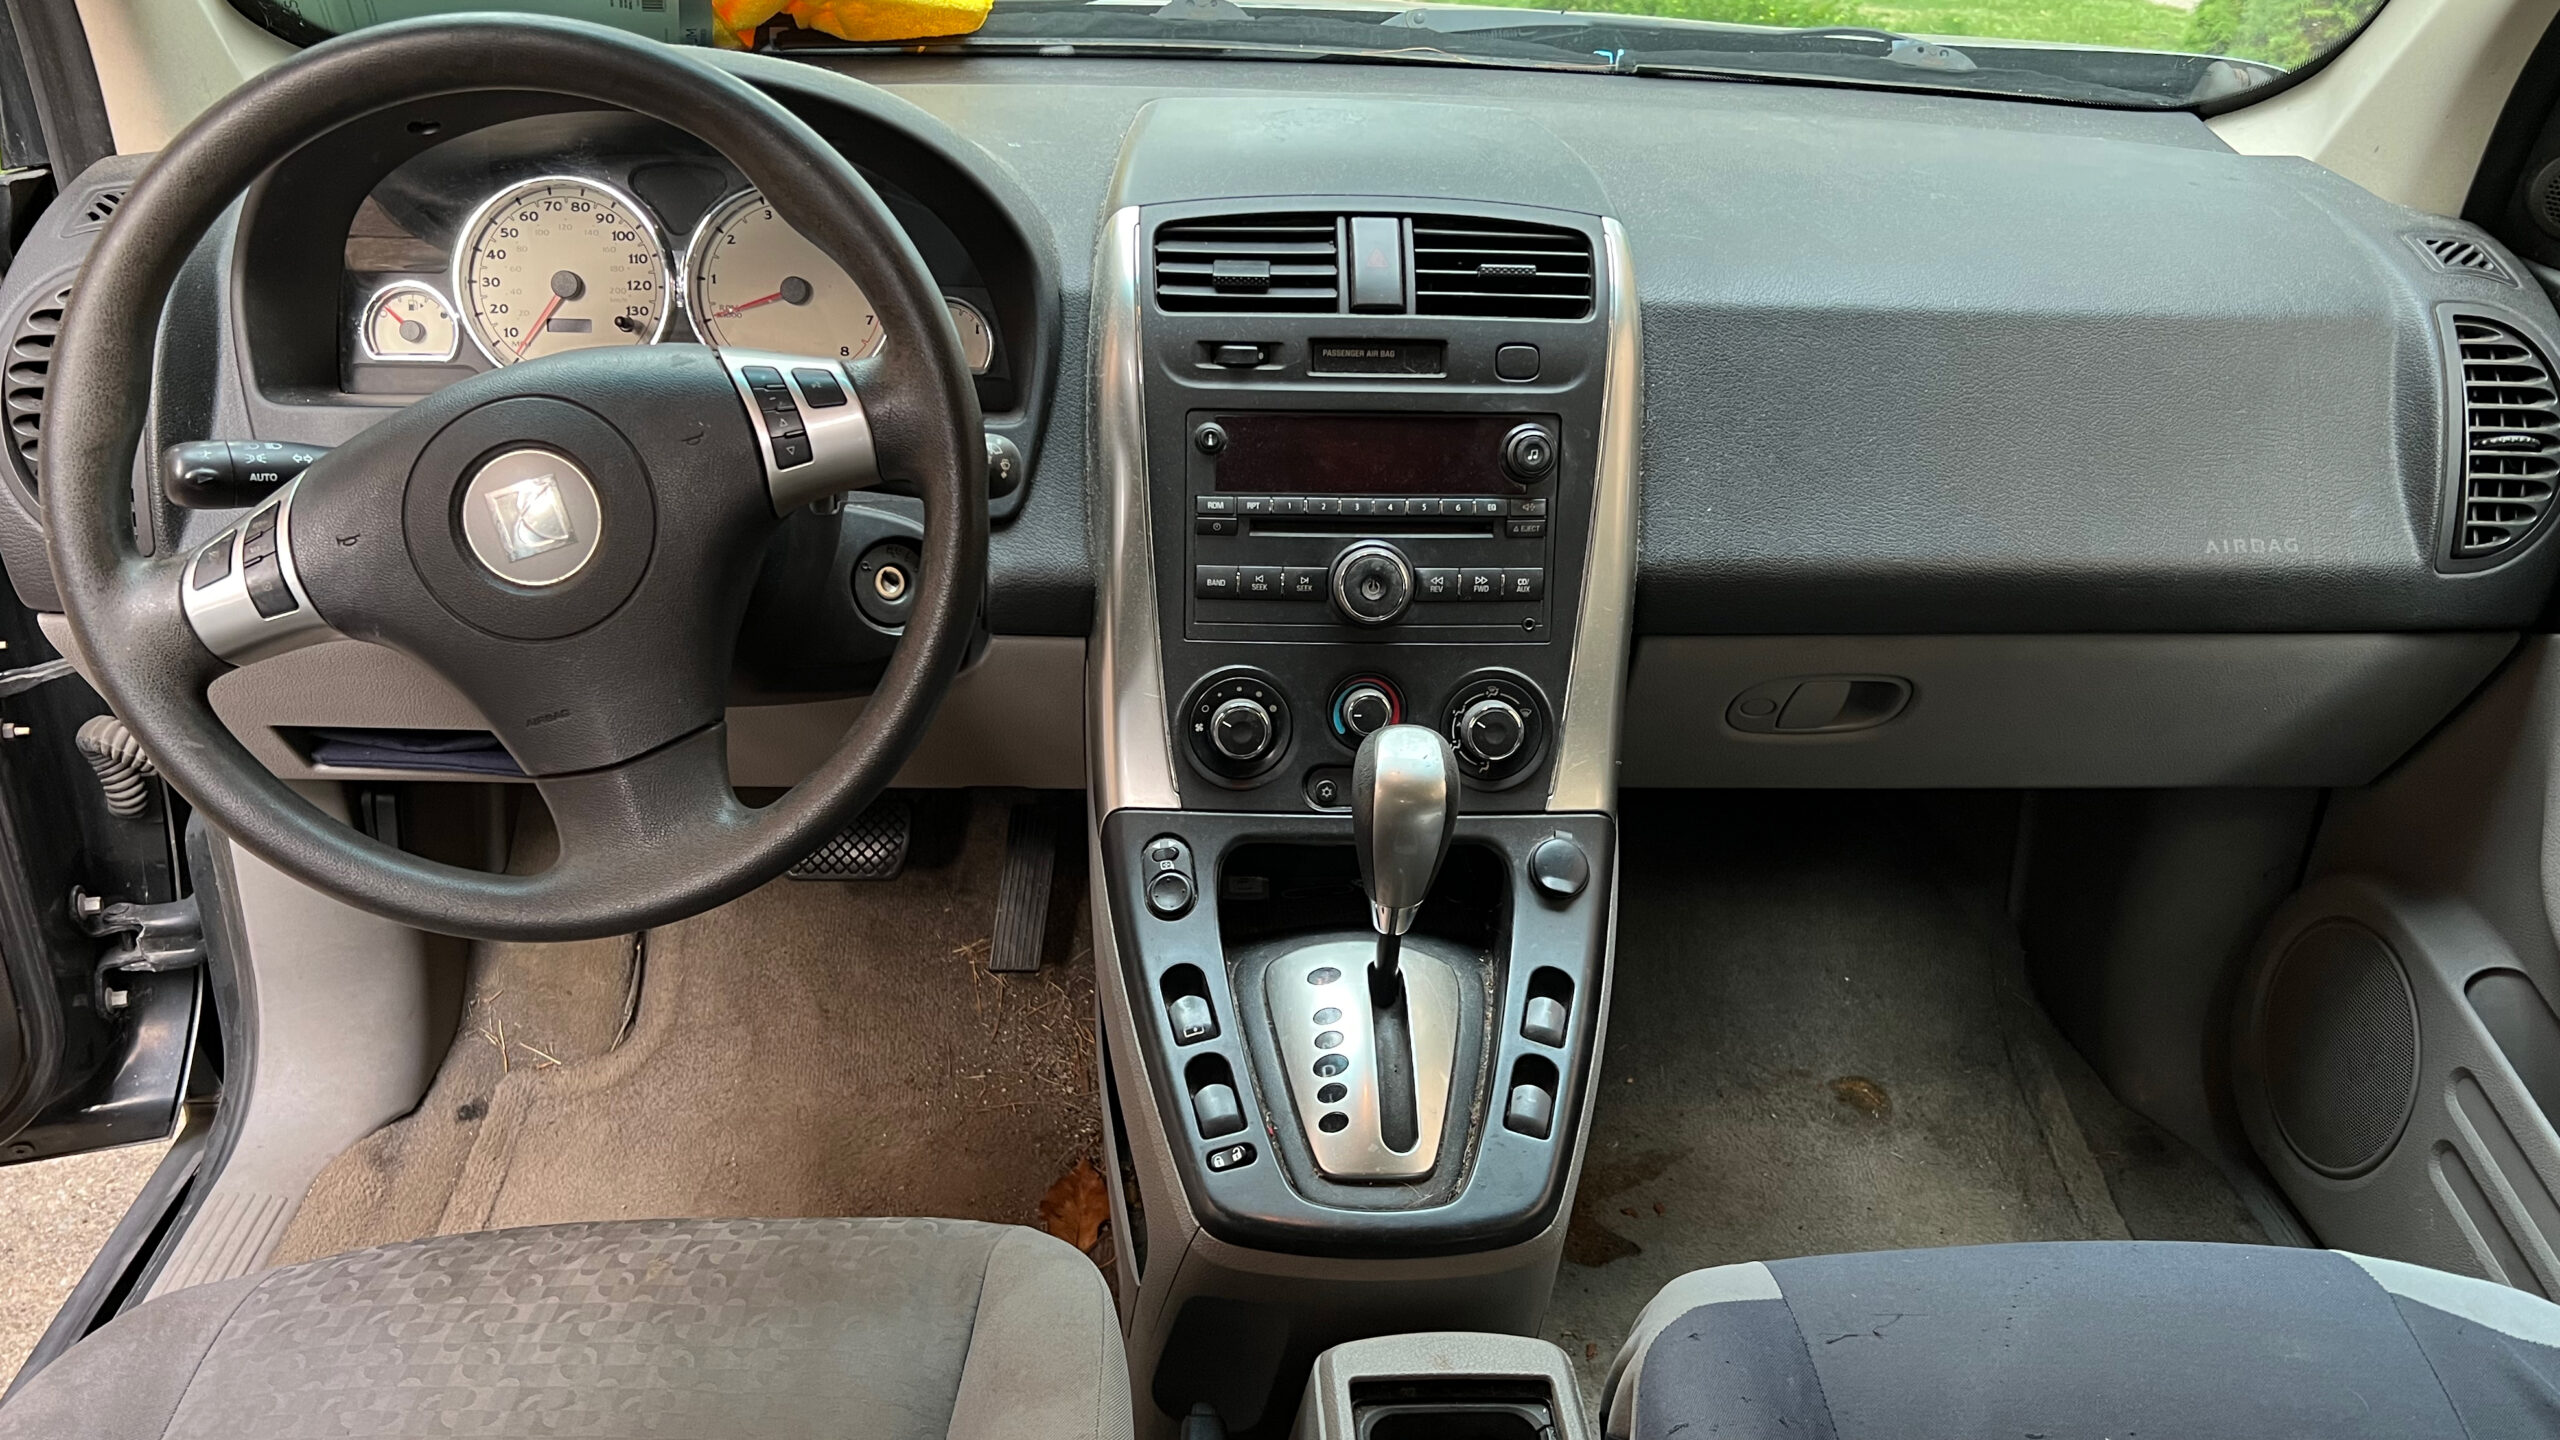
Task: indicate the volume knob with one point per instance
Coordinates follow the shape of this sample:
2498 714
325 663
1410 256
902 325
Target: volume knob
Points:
1491 731
1372 583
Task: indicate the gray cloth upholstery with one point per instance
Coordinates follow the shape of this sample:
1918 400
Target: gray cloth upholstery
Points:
706 1330
2198 1342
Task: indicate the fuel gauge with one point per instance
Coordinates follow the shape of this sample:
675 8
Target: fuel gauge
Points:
409 321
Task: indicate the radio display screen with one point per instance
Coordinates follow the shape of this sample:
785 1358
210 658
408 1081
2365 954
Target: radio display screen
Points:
1338 454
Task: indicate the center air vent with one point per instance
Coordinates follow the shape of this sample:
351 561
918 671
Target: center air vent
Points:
1500 268
24 374
2510 437
1249 263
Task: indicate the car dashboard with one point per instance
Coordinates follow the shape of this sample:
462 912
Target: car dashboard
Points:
1976 442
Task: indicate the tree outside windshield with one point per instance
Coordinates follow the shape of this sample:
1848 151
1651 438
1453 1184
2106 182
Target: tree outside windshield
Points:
2157 53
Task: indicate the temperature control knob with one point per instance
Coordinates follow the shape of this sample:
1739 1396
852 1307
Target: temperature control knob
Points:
1366 709
1372 583
1491 731
1241 730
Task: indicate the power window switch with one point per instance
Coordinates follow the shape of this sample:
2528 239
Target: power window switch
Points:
1531 1112
1218 1113
1191 1019
1543 1021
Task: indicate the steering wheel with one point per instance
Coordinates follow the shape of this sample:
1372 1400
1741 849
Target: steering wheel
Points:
569 542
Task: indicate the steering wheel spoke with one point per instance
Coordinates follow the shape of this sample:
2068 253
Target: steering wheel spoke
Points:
242 592
656 813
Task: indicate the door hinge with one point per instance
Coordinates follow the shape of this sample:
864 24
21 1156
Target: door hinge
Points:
156 937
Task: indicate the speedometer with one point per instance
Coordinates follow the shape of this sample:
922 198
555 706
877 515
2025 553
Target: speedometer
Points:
560 264
758 284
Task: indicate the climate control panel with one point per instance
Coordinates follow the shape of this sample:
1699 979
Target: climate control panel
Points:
1238 730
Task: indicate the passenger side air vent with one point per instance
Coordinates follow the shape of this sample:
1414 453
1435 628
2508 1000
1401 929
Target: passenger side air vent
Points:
1499 268
1249 263
2510 437
2459 255
24 375
100 209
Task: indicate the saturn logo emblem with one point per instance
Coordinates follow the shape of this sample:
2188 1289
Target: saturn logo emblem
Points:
532 517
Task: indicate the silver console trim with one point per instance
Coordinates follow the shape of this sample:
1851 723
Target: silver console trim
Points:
223 615
841 454
1586 773
1359 1151
1132 748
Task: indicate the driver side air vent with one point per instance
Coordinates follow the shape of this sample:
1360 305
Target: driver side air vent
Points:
1502 268
1249 263
2460 255
100 209
2510 437
24 373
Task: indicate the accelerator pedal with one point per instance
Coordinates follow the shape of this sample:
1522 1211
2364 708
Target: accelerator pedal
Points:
1022 896
873 847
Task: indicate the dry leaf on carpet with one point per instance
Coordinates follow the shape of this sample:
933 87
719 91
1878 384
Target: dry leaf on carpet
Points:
1076 1206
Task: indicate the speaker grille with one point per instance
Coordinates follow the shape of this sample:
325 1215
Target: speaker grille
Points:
2338 1044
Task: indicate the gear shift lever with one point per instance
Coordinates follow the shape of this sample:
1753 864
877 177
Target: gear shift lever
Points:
1404 804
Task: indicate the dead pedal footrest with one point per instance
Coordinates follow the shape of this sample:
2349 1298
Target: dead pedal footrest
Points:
873 847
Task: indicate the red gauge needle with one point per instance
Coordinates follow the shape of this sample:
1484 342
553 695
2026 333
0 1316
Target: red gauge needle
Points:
539 321
725 311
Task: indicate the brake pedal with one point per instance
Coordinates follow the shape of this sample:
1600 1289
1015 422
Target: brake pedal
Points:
873 847
1022 896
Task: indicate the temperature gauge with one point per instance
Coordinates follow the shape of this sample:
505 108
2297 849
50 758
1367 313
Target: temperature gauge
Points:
409 321
977 338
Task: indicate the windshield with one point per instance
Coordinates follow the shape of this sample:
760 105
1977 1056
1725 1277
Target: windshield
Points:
2150 53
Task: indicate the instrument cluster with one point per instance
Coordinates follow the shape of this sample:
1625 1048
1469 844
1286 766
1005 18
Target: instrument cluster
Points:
575 259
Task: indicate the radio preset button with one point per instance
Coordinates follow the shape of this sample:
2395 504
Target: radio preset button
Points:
1214 582
1289 505
1355 505
1388 505
1323 505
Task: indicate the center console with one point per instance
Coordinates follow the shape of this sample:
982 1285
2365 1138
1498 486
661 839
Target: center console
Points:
1367 549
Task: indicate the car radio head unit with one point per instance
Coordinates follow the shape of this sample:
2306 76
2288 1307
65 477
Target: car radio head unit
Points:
1312 453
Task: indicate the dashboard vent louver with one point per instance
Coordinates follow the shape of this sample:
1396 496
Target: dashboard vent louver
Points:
100 209
2510 437
2459 255
1503 268
1249 262
24 374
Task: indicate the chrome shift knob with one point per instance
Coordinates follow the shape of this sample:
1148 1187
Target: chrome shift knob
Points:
1404 805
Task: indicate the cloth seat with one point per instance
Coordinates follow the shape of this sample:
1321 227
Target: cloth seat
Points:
707 1330
2089 1339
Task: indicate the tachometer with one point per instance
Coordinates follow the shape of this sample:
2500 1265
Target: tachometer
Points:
759 285
560 264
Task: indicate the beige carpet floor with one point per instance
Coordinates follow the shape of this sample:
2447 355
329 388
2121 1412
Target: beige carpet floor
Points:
809 1049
